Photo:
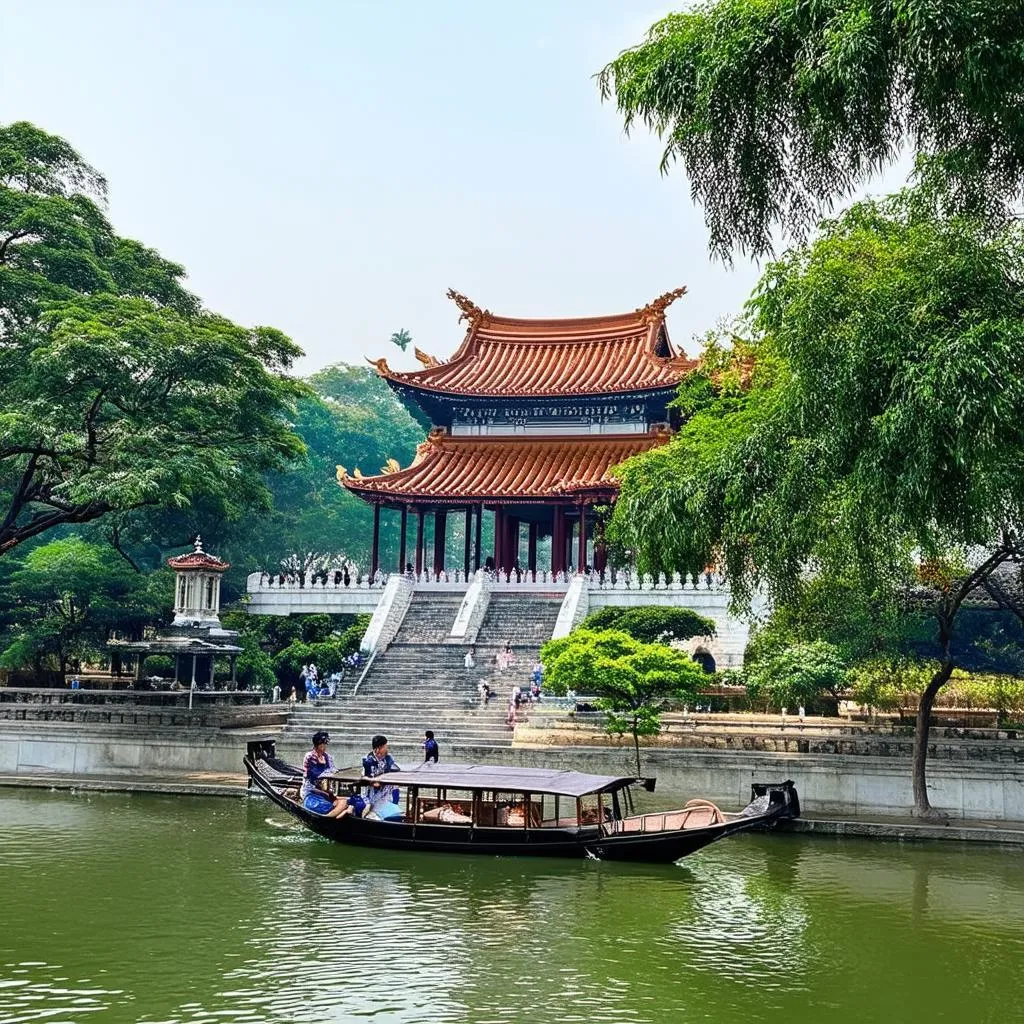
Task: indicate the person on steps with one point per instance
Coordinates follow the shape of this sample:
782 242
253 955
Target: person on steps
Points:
430 748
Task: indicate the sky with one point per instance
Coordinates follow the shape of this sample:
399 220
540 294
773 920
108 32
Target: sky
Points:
332 168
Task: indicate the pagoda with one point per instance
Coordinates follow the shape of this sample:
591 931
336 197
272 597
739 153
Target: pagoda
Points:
529 417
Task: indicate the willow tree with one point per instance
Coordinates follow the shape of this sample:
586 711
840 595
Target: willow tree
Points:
118 390
871 429
779 109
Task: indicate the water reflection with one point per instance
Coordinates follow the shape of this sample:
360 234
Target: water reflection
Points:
149 909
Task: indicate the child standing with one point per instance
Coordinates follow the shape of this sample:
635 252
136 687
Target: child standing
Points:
430 748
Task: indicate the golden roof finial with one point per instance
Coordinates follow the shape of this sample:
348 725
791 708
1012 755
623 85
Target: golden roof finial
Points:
381 364
357 473
341 474
471 312
425 358
391 466
655 311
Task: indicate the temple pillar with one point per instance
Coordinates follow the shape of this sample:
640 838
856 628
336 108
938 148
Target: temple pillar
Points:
234 680
401 540
558 540
213 663
467 545
512 555
419 541
177 667
476 540
581 553
531 549
440 524
375 552
499 538
193 671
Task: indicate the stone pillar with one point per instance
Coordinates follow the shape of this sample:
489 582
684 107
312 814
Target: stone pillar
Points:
440 528
234 680
177 668
531 549
213 663
401 540
375 552
419 542
468 541
193 671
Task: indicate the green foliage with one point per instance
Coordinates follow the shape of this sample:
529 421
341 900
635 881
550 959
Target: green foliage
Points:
881 422
651 625
402 338
159 665
117 390
631 680
61 601
892 685
778 110
795 676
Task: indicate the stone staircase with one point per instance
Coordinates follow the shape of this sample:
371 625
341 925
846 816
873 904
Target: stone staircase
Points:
421 682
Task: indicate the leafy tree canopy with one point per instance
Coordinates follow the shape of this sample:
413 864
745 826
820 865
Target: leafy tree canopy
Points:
778 109
632 680
117 389
796 676
651 625
869 431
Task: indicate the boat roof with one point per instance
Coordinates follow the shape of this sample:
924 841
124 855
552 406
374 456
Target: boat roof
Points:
492 776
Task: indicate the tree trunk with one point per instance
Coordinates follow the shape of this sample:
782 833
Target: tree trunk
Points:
636 747
922 806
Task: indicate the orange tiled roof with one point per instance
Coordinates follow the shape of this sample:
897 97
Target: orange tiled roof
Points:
502 356
510 468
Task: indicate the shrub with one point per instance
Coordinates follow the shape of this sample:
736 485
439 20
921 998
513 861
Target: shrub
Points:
800 674
651 625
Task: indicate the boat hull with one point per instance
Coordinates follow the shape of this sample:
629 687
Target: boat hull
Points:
577 842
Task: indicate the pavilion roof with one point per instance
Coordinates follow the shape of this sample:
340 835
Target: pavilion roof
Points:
506 357
198 559
463 469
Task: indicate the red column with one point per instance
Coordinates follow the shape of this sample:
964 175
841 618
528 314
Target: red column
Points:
401 541
419 543
531 549
375 554
499 537
512 555
476 539
558 540
440 524
581 550
469 539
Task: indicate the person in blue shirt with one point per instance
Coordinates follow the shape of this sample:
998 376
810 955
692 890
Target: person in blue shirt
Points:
379 762
314 764
430 748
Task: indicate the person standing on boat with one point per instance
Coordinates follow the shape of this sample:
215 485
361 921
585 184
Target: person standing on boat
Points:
379 762
314 764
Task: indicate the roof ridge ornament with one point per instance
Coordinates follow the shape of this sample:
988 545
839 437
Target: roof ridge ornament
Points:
425 358
470 311
381 364
655 310
197 545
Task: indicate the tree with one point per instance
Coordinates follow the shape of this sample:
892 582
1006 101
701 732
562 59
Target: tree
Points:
117 389
651 625
878 436
778 110
402 338
796 676
63 599
631 680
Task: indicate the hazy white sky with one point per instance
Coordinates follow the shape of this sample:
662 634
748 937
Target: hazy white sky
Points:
331 168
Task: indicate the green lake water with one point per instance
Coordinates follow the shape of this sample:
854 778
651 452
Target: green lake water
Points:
144 908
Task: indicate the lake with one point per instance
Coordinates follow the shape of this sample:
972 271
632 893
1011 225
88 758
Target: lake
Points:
121 907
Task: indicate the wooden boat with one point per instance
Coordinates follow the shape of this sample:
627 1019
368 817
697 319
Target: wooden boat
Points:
455 808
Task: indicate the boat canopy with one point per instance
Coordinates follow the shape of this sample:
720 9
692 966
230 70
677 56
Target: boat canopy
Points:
494 777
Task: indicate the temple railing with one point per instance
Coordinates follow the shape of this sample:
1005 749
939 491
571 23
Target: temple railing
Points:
456 579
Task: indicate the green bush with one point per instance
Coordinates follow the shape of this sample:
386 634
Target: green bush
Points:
801 674
159 665
651 625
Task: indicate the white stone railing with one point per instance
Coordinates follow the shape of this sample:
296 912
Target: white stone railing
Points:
261 581
626 579
388 615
